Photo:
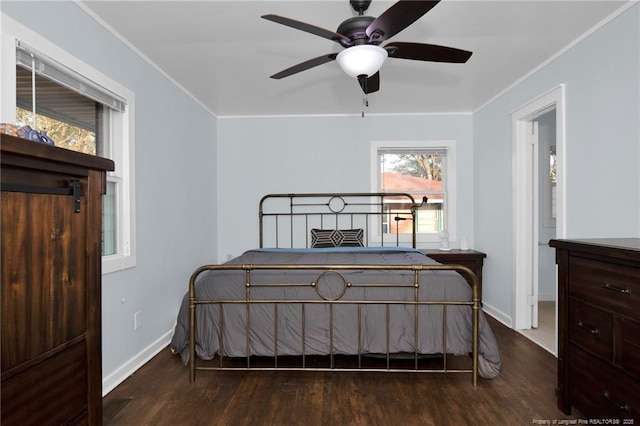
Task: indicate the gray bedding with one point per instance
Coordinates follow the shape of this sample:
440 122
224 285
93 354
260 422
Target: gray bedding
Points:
434 285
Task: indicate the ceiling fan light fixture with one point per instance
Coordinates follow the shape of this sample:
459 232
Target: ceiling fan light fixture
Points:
364 59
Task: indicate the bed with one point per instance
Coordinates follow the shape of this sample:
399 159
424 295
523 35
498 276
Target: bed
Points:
336 283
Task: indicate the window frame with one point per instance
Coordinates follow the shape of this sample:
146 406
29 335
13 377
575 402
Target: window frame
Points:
121 146
449 190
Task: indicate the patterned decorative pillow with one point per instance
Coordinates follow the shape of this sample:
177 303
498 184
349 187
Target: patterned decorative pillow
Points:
336 238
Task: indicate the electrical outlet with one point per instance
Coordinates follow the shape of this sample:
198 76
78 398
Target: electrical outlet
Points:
137 320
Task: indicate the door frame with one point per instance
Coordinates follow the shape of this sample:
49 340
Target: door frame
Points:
523 197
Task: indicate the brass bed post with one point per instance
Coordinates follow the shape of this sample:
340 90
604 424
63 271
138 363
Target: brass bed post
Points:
380 219
192 332
248 312
444 337
416 298
192 322
304 336
414 224
221 331
387 339
260 220
291 220
359 335
331 360
275 335
476 320
306 230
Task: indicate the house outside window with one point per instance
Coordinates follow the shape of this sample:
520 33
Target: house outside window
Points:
82 110
421 169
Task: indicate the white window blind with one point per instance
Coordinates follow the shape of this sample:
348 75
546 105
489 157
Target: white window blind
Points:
414 151
41 64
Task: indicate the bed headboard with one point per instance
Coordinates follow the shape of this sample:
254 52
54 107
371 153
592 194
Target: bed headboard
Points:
326 219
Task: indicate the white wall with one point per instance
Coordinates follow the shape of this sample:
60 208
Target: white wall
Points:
263 155
175 186
601 75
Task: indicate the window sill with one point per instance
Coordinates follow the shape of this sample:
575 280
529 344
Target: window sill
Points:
405 239
116 263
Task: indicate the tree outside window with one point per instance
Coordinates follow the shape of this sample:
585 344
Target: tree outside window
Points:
420 173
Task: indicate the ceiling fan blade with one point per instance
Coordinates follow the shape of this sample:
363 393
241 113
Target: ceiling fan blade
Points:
397 18
427 52
370 84
302 26
303 66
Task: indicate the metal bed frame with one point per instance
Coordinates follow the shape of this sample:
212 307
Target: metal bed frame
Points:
306 211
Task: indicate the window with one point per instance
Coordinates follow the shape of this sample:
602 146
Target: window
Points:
82 110
549 185
422 169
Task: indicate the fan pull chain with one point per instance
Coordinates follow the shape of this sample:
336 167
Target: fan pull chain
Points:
365 103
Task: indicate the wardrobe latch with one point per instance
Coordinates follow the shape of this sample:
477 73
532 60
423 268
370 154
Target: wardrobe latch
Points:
76 191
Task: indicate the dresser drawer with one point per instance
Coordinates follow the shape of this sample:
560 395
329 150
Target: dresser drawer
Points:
600 390
591 328
614 287
628 347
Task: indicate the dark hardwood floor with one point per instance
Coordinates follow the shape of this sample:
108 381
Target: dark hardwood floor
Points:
160 394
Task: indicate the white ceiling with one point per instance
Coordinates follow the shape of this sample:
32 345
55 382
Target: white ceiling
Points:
223 53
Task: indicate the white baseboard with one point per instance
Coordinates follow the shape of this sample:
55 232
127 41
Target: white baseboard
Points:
110 382
498 315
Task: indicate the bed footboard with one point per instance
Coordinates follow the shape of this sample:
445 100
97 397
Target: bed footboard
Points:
334 288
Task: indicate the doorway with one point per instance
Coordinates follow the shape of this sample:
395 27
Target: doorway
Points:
538 139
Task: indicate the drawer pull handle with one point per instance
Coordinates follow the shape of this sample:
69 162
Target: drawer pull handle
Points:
608 286
588 328
620 406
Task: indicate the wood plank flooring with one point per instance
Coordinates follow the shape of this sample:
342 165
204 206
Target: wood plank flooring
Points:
160 394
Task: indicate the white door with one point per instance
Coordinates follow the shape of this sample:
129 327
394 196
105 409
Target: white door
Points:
534 200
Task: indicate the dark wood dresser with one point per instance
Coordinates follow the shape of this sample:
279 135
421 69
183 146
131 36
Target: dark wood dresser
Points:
472 259
51 293
599 327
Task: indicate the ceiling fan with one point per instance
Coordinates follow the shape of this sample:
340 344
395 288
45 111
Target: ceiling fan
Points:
361 37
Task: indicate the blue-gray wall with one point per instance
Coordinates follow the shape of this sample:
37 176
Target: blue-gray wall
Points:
601 76
174 181
257 156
